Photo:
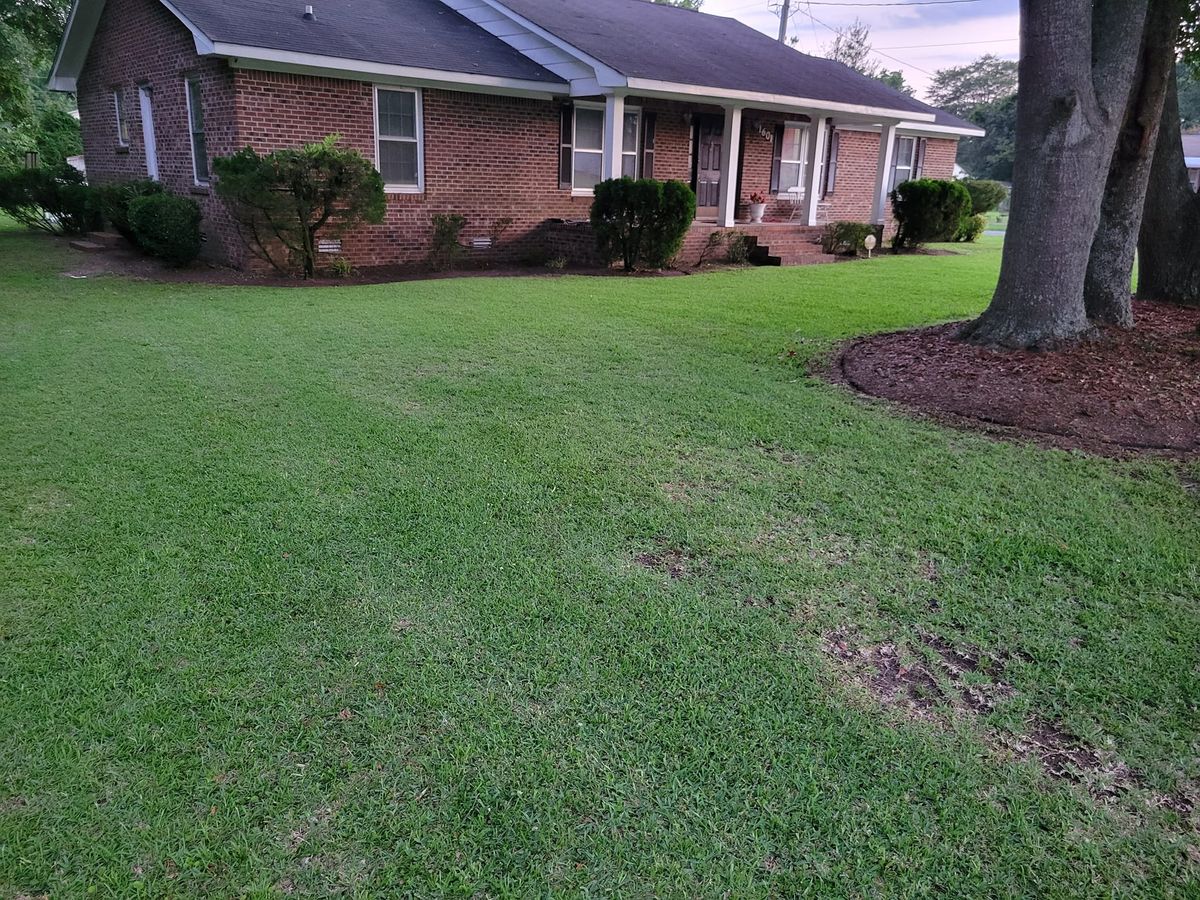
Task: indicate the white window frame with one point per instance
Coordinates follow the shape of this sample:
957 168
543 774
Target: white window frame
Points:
805 129
122 122
635 152
188 82
419 114
910 168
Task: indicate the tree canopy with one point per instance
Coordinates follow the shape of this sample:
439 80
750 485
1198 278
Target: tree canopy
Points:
961 89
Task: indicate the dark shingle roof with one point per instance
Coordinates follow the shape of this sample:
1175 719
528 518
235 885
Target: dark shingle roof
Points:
664 43
420 33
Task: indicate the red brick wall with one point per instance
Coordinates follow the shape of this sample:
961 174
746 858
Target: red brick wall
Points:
139 41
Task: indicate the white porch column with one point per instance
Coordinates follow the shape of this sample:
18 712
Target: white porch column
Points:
614 132
887 149
731 142
814 167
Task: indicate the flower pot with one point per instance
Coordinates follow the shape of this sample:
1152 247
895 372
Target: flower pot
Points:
756 212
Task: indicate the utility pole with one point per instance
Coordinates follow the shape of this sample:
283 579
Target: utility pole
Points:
783 17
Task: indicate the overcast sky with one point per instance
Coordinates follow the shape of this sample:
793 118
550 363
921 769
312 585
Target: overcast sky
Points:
964 30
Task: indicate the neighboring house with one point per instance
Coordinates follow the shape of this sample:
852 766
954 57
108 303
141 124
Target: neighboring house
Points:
494 109
1191 156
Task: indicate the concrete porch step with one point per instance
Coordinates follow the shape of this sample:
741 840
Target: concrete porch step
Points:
87 246
108 239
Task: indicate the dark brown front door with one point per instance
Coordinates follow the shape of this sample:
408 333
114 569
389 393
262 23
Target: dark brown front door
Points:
709 130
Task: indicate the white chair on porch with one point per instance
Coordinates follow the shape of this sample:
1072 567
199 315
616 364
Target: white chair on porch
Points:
796 195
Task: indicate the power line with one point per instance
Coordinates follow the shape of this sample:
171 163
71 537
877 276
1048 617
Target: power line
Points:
892 3
951 44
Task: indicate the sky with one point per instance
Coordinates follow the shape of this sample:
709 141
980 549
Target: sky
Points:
901 29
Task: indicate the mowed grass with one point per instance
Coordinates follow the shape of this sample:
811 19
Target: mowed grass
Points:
342 590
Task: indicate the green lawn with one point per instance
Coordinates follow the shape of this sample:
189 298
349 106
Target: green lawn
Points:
342 590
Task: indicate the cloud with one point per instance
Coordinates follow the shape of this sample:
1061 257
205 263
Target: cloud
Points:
903 33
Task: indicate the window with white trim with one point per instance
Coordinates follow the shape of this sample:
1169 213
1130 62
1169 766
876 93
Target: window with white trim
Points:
792 153
587 144
904 160
398 154
122 123
195 105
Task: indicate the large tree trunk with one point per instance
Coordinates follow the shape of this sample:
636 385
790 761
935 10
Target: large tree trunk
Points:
1107 294
1077 63
1168 262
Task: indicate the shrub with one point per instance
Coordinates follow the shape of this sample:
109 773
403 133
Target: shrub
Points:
970 228
927 209
113 200
737 248
641 221
845 237
446 247
56 201
985 195
341 267
556 262
285 198
716 240
166 226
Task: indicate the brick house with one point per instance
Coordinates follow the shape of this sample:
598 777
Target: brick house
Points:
494 109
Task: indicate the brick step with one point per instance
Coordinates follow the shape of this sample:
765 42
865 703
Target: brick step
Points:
87 246
108 239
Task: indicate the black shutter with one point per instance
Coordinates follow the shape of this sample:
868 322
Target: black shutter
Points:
831 161
776 156
919 168
566 154
648 125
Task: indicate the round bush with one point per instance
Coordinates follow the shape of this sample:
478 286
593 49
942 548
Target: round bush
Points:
985 195
114 200
928 210
969 229
167 227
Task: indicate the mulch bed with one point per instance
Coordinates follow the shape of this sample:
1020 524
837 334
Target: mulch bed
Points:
1120 393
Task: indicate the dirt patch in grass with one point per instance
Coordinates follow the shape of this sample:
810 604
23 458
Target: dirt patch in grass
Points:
1122 392
930 674
671 561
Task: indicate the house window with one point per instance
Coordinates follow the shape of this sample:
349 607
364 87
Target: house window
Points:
196 127
905 160
792 150
122 124
398 151
587 144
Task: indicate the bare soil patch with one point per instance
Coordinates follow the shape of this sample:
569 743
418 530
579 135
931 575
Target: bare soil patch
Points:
671 561
1122 392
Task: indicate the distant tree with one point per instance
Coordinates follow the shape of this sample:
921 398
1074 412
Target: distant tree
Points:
852 46
40 21
991 156
682 4
961 89
895 78
1189 97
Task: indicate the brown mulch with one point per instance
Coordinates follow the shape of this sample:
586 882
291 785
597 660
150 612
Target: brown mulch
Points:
1120 393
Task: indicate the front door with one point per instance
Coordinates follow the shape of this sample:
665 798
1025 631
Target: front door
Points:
709 130
148 140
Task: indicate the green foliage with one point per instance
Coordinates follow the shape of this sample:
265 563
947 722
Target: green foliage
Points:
446 246
714 242
928 209
1189 97
970 227
846 237
641 221
894 78
986 195
113 201
341 267
991 156
282 200
682 4
737 248
851 46
166 226
961 89
59 202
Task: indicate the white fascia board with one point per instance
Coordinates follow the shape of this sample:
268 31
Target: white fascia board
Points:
727 96
245 57
204 46
946 131
605 75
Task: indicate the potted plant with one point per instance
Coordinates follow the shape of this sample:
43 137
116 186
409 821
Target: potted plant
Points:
758 206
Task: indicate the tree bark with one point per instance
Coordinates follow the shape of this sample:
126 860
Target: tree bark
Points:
1168 262
1107 289
1077 63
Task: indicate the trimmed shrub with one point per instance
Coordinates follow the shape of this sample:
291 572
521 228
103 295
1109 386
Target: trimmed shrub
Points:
845 238
446 246
114 199
970 228
641 221
167 227
737 248
985 195
56 201
927 209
